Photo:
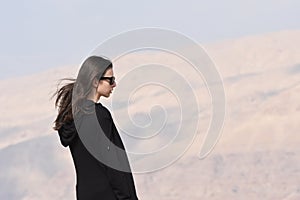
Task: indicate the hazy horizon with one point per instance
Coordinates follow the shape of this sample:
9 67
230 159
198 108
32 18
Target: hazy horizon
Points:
41 35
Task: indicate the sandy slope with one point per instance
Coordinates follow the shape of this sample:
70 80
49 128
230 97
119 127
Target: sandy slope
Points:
256 157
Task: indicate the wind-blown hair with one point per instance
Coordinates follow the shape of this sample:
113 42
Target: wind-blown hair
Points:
71 95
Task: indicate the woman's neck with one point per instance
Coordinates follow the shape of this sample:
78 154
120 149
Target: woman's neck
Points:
93 97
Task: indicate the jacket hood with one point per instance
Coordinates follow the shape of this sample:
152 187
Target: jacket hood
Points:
67 133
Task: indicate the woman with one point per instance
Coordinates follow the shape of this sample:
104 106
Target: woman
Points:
99 170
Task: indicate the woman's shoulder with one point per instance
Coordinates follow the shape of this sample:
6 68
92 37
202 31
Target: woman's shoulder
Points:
102 110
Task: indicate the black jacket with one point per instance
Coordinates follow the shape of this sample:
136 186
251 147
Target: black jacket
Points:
95 180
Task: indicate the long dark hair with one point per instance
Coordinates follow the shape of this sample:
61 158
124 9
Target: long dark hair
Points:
72 94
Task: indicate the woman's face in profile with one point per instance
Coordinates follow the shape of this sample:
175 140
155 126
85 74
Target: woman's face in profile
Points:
104 87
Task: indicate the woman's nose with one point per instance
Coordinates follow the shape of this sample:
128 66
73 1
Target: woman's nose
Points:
115 84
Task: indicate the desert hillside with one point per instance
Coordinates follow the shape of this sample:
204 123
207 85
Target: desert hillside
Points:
256 157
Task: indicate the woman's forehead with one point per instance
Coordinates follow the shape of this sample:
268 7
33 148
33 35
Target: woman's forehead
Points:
109 72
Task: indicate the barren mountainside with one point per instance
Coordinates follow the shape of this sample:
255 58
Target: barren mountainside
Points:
256 157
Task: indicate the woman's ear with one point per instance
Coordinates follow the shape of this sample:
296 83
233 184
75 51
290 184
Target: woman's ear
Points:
95 82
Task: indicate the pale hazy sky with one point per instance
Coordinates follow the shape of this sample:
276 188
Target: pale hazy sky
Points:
36 35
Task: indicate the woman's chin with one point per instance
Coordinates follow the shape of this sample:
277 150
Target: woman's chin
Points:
107 95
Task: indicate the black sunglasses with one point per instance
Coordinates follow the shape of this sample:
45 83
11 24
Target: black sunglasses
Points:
111 79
